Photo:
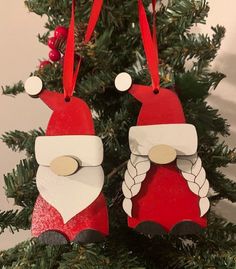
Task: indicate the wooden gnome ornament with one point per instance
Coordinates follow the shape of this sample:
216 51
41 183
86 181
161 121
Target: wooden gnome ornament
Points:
70 205
165 185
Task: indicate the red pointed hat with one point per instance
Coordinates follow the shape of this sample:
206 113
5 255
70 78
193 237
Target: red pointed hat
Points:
68 118
162 107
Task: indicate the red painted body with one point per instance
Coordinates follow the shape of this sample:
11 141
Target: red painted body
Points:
165 197
69 118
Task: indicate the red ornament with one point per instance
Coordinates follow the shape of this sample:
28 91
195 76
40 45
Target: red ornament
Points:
165 198
54 55
165 185
61 32
68 120
70 206
44 63
52 42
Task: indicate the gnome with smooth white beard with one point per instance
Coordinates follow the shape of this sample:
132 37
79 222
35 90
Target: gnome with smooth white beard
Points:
70 205
165 185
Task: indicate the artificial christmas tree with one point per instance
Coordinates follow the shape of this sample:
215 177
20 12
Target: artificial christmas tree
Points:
117 47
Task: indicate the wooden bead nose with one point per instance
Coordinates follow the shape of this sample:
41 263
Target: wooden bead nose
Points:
162 154
64 166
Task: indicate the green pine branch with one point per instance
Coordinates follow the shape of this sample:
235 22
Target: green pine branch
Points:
181 16
213 79
198 46
223 186
19 140
221 156
32 255
55 10
204 47
206 119
215 249
13 90
51 75
15 220
20 183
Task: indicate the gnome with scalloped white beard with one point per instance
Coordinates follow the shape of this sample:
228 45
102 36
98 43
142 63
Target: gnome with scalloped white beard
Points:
70 205
165 185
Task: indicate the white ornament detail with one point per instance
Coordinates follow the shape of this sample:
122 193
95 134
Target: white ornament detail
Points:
33 86
137 168
123 82
72 194
192 170
182 137
88 149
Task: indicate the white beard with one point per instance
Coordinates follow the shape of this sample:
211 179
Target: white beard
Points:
72 194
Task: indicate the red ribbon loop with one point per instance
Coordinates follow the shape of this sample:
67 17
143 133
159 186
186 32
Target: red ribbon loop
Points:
150 42
69 75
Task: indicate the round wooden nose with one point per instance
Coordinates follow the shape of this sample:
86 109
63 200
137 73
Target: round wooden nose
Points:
64 166
162 154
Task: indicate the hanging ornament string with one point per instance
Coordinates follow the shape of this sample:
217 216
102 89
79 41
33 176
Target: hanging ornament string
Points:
69 74
154 31
150 43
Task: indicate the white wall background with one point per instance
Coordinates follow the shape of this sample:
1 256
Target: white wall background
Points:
19 55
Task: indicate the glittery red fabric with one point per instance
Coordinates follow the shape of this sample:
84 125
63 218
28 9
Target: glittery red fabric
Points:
45 217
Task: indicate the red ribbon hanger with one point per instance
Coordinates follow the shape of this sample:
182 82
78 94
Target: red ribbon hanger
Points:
150 43
69 75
